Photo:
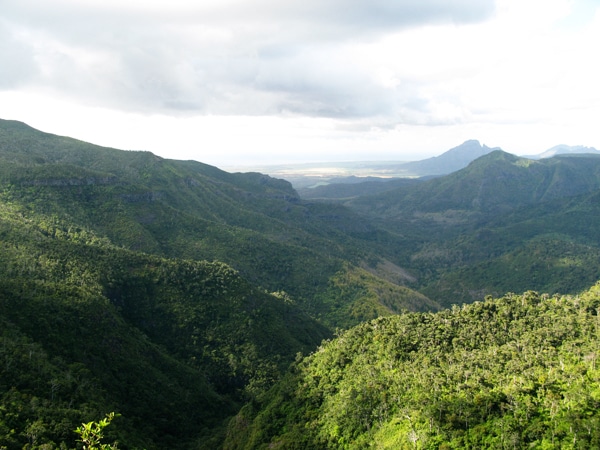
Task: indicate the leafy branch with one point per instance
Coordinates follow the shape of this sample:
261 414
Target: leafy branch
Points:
91 434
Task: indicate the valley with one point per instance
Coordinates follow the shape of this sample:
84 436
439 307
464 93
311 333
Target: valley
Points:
215 309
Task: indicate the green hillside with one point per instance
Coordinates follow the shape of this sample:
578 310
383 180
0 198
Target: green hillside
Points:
514 372
140 285
495 183
172 345
174 293
551 247
504 223
185 209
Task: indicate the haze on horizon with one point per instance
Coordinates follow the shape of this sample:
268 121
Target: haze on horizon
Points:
234 82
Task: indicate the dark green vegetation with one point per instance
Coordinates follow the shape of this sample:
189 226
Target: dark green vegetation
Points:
109 300
173 293
355 188
184 209
502 224
172 345
520 371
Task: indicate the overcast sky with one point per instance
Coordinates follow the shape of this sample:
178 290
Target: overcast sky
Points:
232 82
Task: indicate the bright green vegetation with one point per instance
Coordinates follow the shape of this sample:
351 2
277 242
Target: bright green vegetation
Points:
174 293
92 433
139 285
519 371
354 295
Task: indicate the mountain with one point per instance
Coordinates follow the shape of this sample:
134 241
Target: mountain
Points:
170 292
450 161
519 371
495 183
186 209
565 150
404 173
502 223
174 346
173 293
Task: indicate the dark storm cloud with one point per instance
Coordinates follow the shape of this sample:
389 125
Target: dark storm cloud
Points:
258 57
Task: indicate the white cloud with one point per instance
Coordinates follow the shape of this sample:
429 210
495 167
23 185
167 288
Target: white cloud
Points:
259 57
291 79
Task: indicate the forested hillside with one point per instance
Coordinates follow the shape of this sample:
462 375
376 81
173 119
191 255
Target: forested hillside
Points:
173 293
140 285
172 345
186 209
502 224
519 372
490 185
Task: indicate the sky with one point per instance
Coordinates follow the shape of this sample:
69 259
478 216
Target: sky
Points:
255 82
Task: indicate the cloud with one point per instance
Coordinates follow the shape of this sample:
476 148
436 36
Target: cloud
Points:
179 57
335 77
17 63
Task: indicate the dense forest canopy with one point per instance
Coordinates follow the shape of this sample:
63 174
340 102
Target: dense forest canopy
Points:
177 295
520 371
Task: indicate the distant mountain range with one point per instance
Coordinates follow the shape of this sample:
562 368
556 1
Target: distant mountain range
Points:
565 150
448 162
492 184
311 179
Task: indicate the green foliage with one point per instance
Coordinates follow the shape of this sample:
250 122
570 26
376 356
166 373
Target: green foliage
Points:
355 295
111 303
493 184
174 345
519 371
182 209
133 283
503 223
92 433
550 263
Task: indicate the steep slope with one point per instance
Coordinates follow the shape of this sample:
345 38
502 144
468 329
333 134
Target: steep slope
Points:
109 301
503 223
171 345
355 294
253 222
492 184
553 246
519 371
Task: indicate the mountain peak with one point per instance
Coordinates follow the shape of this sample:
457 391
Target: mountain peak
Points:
452 160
